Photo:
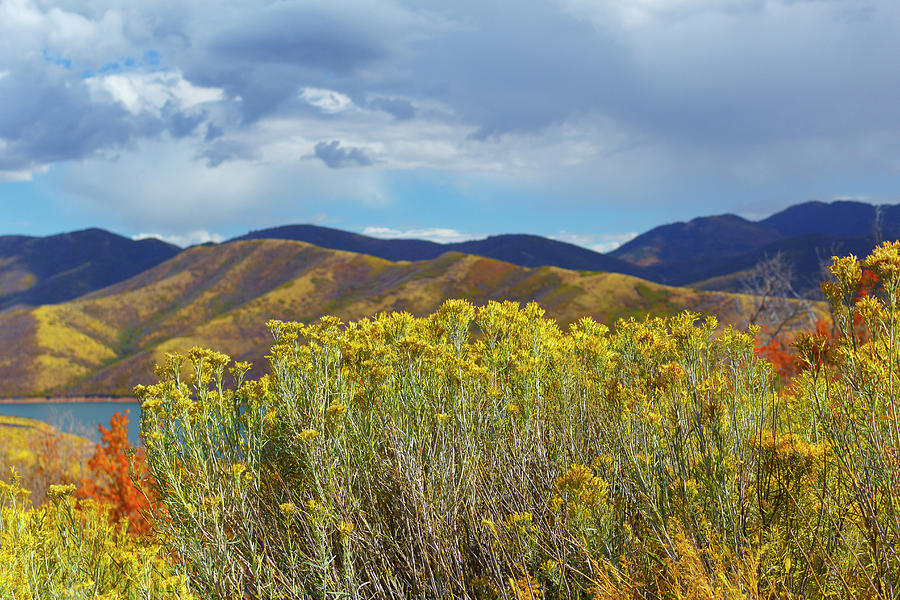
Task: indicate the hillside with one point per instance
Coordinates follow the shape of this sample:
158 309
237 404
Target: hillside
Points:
807 256
41 454
46 270
707 252
518 249
222 296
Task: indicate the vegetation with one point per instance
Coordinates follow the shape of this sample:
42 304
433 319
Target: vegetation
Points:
117 470
69 550
484 452
222 296
41 454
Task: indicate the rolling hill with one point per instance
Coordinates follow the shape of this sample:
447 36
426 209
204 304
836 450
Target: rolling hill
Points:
46 270
519 249
707 252
221 297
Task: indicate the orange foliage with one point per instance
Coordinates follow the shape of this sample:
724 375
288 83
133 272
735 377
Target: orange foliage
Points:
113 483
782 352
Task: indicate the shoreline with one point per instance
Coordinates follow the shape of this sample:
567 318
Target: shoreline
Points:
66 399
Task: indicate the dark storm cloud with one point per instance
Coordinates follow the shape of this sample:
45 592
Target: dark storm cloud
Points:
301 36
264 53
222 150
43 121
179 123
212 132
728 74
336 157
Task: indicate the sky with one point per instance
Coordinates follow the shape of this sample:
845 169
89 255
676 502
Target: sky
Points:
583 120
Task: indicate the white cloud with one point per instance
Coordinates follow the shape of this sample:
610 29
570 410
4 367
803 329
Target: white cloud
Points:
149 92
598 242
441 235
328 101
853 198
200 236
23 174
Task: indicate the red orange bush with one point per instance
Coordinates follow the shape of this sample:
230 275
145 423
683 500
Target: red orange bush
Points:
116 465
781 350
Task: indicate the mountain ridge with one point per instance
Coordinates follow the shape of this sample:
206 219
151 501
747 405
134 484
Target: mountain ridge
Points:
51 269
526 250
709 252
222 296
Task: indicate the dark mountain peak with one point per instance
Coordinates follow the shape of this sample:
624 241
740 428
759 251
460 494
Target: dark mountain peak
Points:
55 268
91 233
337 239
719 235
841 218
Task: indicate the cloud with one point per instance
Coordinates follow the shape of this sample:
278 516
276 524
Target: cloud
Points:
328 101
594 103
441 235
399 108
162 186
56 108
151 92
336 157
598 242
190 238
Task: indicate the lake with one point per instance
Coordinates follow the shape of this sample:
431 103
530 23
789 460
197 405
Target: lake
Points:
80 417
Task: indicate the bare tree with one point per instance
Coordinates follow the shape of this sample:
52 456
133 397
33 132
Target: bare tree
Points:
878 224
777 302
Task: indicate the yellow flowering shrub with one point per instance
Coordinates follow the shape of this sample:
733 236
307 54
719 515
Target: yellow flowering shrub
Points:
483 452
68 550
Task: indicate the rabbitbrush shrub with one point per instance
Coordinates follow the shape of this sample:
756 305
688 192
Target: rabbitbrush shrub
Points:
484 453
68 550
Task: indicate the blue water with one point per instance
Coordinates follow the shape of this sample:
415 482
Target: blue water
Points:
80 418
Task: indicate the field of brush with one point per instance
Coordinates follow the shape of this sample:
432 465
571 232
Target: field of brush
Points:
486 452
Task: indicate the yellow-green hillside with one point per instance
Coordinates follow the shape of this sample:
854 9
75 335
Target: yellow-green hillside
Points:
222 296
41 454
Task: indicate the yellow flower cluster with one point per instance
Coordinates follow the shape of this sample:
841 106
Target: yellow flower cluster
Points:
64 550
579 492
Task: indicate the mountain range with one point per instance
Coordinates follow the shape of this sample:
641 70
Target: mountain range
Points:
221 296
707 252
519 249
90 312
